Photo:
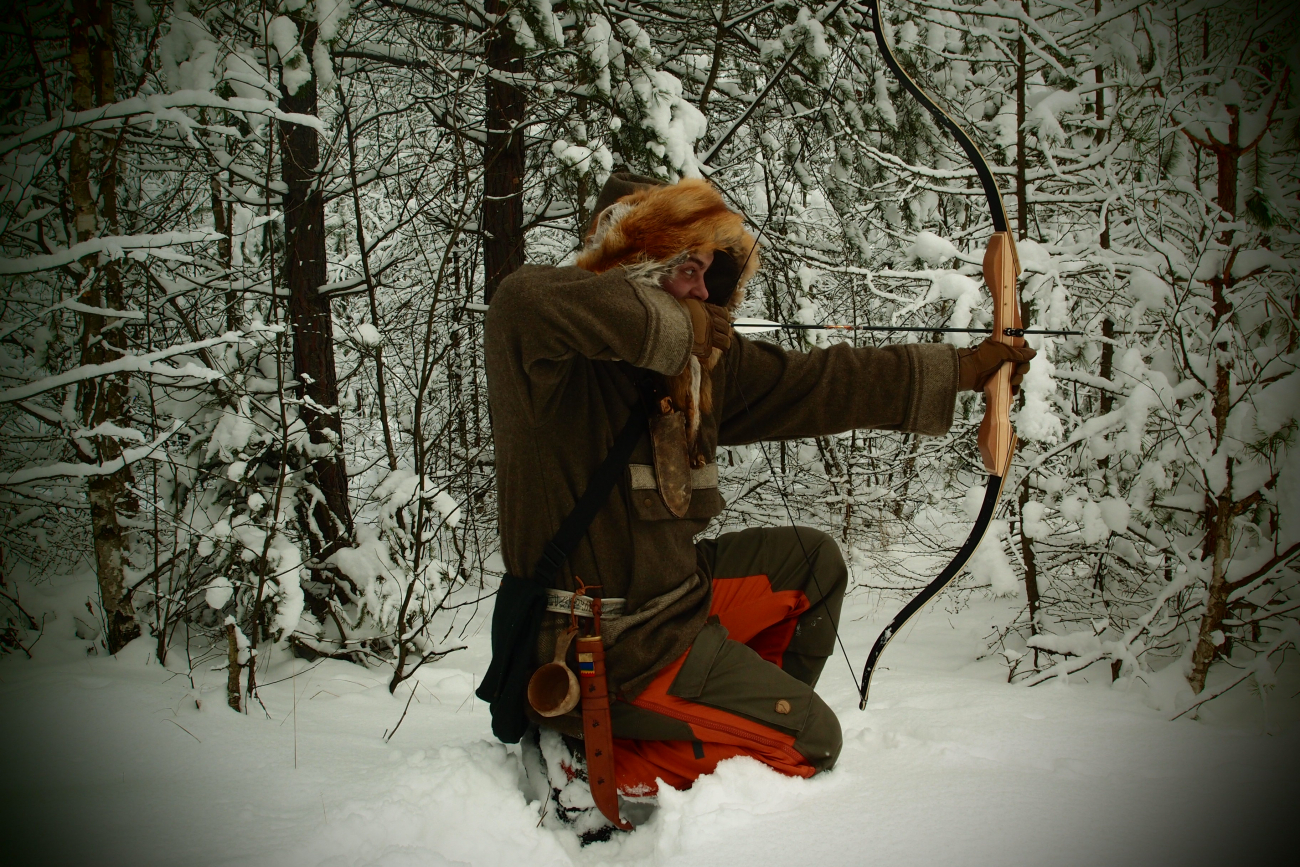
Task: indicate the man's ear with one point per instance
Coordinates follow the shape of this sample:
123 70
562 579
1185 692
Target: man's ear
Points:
721 278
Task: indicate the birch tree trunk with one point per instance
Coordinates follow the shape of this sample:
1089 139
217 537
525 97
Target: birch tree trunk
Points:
90 44
1220 508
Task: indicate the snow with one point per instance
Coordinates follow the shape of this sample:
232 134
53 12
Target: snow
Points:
1035 527
1151 292
67 469
113 246
368 335
323 66
1076 643
965 294
1115 513
120 761
330 15
583 158
1036 421
232 432
447 508
675 123
1033 256
219 592
1250 261
931 249
884 105
158 106
295 71
1044 116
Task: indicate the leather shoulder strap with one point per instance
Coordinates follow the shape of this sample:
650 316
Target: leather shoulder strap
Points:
575 525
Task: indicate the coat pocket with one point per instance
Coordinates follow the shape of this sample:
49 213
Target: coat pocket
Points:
730 676
648 505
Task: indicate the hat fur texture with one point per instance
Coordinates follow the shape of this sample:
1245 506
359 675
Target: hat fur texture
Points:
649 233
664 224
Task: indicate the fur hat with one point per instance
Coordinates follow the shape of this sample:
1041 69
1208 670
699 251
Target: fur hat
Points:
646 224
648 228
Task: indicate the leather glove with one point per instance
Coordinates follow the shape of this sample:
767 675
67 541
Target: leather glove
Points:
710 327
976 366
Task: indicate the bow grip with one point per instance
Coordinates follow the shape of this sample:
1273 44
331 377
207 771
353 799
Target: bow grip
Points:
1001 268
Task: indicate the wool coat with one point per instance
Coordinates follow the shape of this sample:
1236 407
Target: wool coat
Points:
565 349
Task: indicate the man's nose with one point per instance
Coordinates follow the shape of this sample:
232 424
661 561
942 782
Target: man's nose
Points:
699 290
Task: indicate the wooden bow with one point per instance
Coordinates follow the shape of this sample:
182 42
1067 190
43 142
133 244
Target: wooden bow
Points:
997 439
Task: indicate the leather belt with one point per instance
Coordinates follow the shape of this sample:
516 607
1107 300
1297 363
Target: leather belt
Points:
562 602
643 477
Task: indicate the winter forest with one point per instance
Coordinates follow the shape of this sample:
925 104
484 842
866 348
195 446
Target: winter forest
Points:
246 460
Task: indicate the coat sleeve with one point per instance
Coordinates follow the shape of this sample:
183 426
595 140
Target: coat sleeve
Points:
553 314
542 319
773 393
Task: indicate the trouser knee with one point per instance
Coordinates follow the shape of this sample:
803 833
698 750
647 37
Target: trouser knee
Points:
831 567
821 739
830 574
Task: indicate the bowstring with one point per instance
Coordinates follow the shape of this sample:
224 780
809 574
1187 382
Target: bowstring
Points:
780 486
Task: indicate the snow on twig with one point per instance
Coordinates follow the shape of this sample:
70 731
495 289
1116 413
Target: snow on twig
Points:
114 245
164 106
129 364
64 469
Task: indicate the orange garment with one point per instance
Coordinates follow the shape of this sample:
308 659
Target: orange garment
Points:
755 615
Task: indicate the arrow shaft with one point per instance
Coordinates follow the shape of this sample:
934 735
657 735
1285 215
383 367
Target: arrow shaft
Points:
918 329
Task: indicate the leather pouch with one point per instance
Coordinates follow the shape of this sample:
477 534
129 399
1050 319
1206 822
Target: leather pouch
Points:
672 461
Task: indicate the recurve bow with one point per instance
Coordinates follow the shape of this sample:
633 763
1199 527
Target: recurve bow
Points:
997 440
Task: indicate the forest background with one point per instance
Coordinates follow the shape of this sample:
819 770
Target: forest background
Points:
246 248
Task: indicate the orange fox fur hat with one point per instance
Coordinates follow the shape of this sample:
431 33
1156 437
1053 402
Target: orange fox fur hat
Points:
661 223
649 231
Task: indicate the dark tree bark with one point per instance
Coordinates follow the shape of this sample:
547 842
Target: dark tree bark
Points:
329 522
90 46
232 668
503 159
1031 568
716 63
1022 156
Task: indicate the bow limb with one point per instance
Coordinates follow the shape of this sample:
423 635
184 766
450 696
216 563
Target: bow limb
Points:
997 439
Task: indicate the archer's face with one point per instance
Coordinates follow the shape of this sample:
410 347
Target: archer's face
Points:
687 279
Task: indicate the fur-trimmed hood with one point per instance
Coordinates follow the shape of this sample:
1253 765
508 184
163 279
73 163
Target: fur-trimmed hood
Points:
654 228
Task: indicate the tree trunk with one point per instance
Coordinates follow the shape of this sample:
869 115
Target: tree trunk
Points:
1100 136
503 160
309 311
1031 568
90 44
1022 158
233 687
1218 547
1219 508
222 212
716 63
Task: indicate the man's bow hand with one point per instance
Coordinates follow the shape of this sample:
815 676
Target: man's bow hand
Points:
711 327
975 366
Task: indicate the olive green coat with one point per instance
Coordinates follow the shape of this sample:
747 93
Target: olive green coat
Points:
560 347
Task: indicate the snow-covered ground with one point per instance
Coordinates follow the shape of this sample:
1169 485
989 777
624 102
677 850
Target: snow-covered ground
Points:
119 761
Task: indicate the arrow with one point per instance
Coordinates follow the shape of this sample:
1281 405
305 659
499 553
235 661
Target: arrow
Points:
747 325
